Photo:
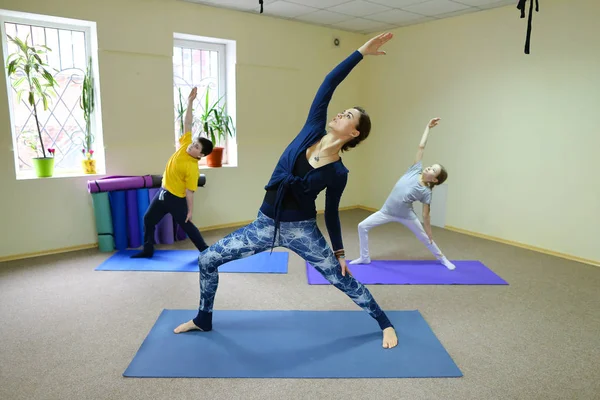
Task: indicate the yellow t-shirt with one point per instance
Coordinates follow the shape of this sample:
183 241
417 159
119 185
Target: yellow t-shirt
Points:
181 172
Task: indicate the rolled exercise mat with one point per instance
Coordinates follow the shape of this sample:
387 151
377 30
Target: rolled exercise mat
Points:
143 201
179 232
152 193
163 233
106 243
119 218
119 183
133 224
157 180
104 227
165 230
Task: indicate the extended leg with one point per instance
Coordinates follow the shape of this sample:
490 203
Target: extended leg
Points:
305 239
156 211
244 242
376 219
415 226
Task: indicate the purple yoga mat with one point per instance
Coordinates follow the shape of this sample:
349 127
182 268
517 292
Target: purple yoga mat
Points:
180 233
133 225
415 272
112 183
163 234
165 230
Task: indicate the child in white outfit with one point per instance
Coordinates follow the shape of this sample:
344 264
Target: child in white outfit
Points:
415 185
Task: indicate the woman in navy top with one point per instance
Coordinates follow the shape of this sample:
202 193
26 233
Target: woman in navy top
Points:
287 217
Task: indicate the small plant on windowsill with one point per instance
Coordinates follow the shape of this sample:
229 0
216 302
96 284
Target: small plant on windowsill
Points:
30 76
216 125
87 105
89 164
30 140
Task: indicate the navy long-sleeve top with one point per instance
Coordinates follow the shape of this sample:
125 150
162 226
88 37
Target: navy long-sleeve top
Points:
332 176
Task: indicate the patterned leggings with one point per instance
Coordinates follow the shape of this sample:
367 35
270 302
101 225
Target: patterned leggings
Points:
302 237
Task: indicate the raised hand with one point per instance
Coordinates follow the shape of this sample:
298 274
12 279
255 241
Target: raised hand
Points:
373 45
192 95
433 122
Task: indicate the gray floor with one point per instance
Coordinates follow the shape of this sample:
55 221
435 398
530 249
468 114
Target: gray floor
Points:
69 332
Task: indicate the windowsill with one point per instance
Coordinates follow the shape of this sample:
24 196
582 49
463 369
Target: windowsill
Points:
221 167
76 174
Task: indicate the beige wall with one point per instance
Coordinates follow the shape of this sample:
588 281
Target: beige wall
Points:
518 133
279 68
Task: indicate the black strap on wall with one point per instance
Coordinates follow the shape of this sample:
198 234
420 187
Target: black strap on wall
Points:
261 5
521 6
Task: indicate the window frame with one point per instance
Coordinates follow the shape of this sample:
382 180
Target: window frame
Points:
91 49
226 81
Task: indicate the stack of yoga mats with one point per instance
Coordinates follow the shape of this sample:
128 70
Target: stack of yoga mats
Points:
120 203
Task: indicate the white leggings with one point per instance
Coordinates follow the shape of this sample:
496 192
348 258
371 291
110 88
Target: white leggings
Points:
379 218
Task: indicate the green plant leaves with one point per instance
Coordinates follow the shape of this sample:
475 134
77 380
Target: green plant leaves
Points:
27 61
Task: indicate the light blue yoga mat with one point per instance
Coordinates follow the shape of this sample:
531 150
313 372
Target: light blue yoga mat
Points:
187 261
291 344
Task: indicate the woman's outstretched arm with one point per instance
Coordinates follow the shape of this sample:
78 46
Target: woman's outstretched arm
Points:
318 109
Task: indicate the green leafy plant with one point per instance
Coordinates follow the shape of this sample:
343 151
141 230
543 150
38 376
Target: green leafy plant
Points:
180 109
31 76
87 105
215 121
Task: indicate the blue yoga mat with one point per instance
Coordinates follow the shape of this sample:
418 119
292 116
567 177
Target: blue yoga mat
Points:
119 218
133 223
143 201
291 344
187 261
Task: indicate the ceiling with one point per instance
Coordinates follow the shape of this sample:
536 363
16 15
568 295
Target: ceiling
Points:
362 16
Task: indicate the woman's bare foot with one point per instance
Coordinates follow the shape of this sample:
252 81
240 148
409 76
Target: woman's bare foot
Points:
188 326
389 338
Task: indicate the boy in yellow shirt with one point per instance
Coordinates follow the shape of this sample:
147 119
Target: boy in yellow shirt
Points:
180 181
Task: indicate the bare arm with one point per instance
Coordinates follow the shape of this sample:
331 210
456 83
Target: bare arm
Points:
189 197
427 221
424 138
187 122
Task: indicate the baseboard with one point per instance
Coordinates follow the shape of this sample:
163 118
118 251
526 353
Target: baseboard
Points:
244 223
523 246
48 252
92 245
360 207
366 208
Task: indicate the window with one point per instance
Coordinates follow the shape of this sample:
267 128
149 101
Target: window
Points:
62 125
209 65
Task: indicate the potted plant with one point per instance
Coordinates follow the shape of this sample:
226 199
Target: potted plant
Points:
216 125
87 105
31 76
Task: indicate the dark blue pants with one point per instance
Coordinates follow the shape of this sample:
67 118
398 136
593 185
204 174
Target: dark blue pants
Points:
166 203
302 237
